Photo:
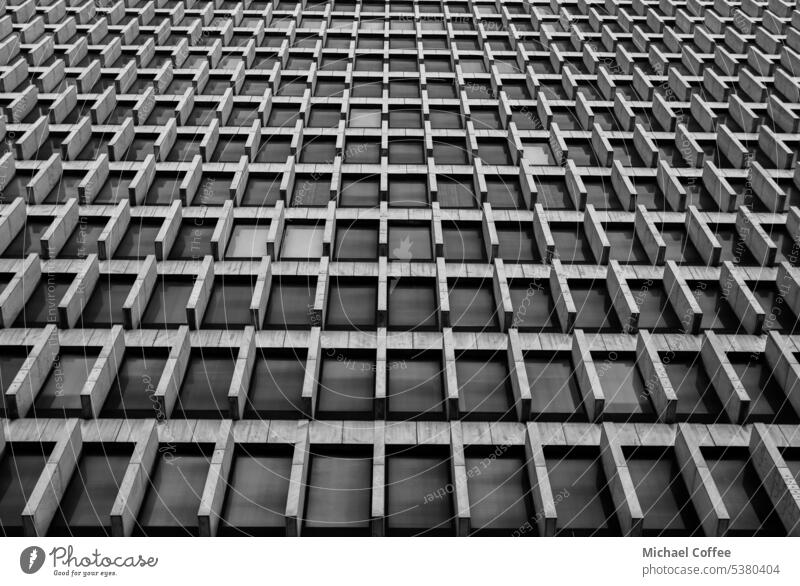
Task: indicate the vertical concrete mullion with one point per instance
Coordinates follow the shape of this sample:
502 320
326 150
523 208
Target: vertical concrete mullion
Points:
16 294
222 231
44 499
705 496
378 498
546 515
114 231
103 373
381 375
586 376
136 302
622 299
744 304
729 388
311 378
134 484
21 393
242 373
201 294
562 297
651 239
458 471
169 385
596 235
656 381
450 378
208 514
258 305
785 367
623 492
778 480
519 376
680 297
295 501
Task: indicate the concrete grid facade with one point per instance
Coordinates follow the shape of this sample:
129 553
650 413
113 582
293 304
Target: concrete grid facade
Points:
440 267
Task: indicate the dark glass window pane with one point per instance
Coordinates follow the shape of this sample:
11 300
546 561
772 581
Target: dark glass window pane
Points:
193 241
472 306
83 240
352 304
255 502
42 306
516 243
356 241
60 395
85 508
463 243
412 304
20 467
413 478
499 490
301 242
415 387
167 306
229 304
206 384
744 496
623 388
662 495
290 303
580 491
132 393
174 492
276 386
484 387
409 242
104 308
595 311
655 311
697 400
139 240
347 385
29 238
339 491
555 395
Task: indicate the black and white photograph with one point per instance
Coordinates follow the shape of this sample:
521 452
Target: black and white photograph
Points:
331 276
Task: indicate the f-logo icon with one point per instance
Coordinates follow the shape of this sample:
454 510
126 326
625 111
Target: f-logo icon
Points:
31 559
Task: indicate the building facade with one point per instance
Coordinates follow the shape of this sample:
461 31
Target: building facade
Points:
419 267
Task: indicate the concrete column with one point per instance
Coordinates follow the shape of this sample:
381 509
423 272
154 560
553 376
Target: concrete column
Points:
208 514
755 238
135 482
562 298
656 381
744 304
295 502
114 231
222 231
16 294
201 294
696 476
620 483
458 471
543 503
77 296
451 393
169 385
169 231
378 501
258 305
596 235
103 373
27 383
139 295
729 388
778 479
704 241
586 376
53 239
313 366
242 373
44 500
518 376
622 299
